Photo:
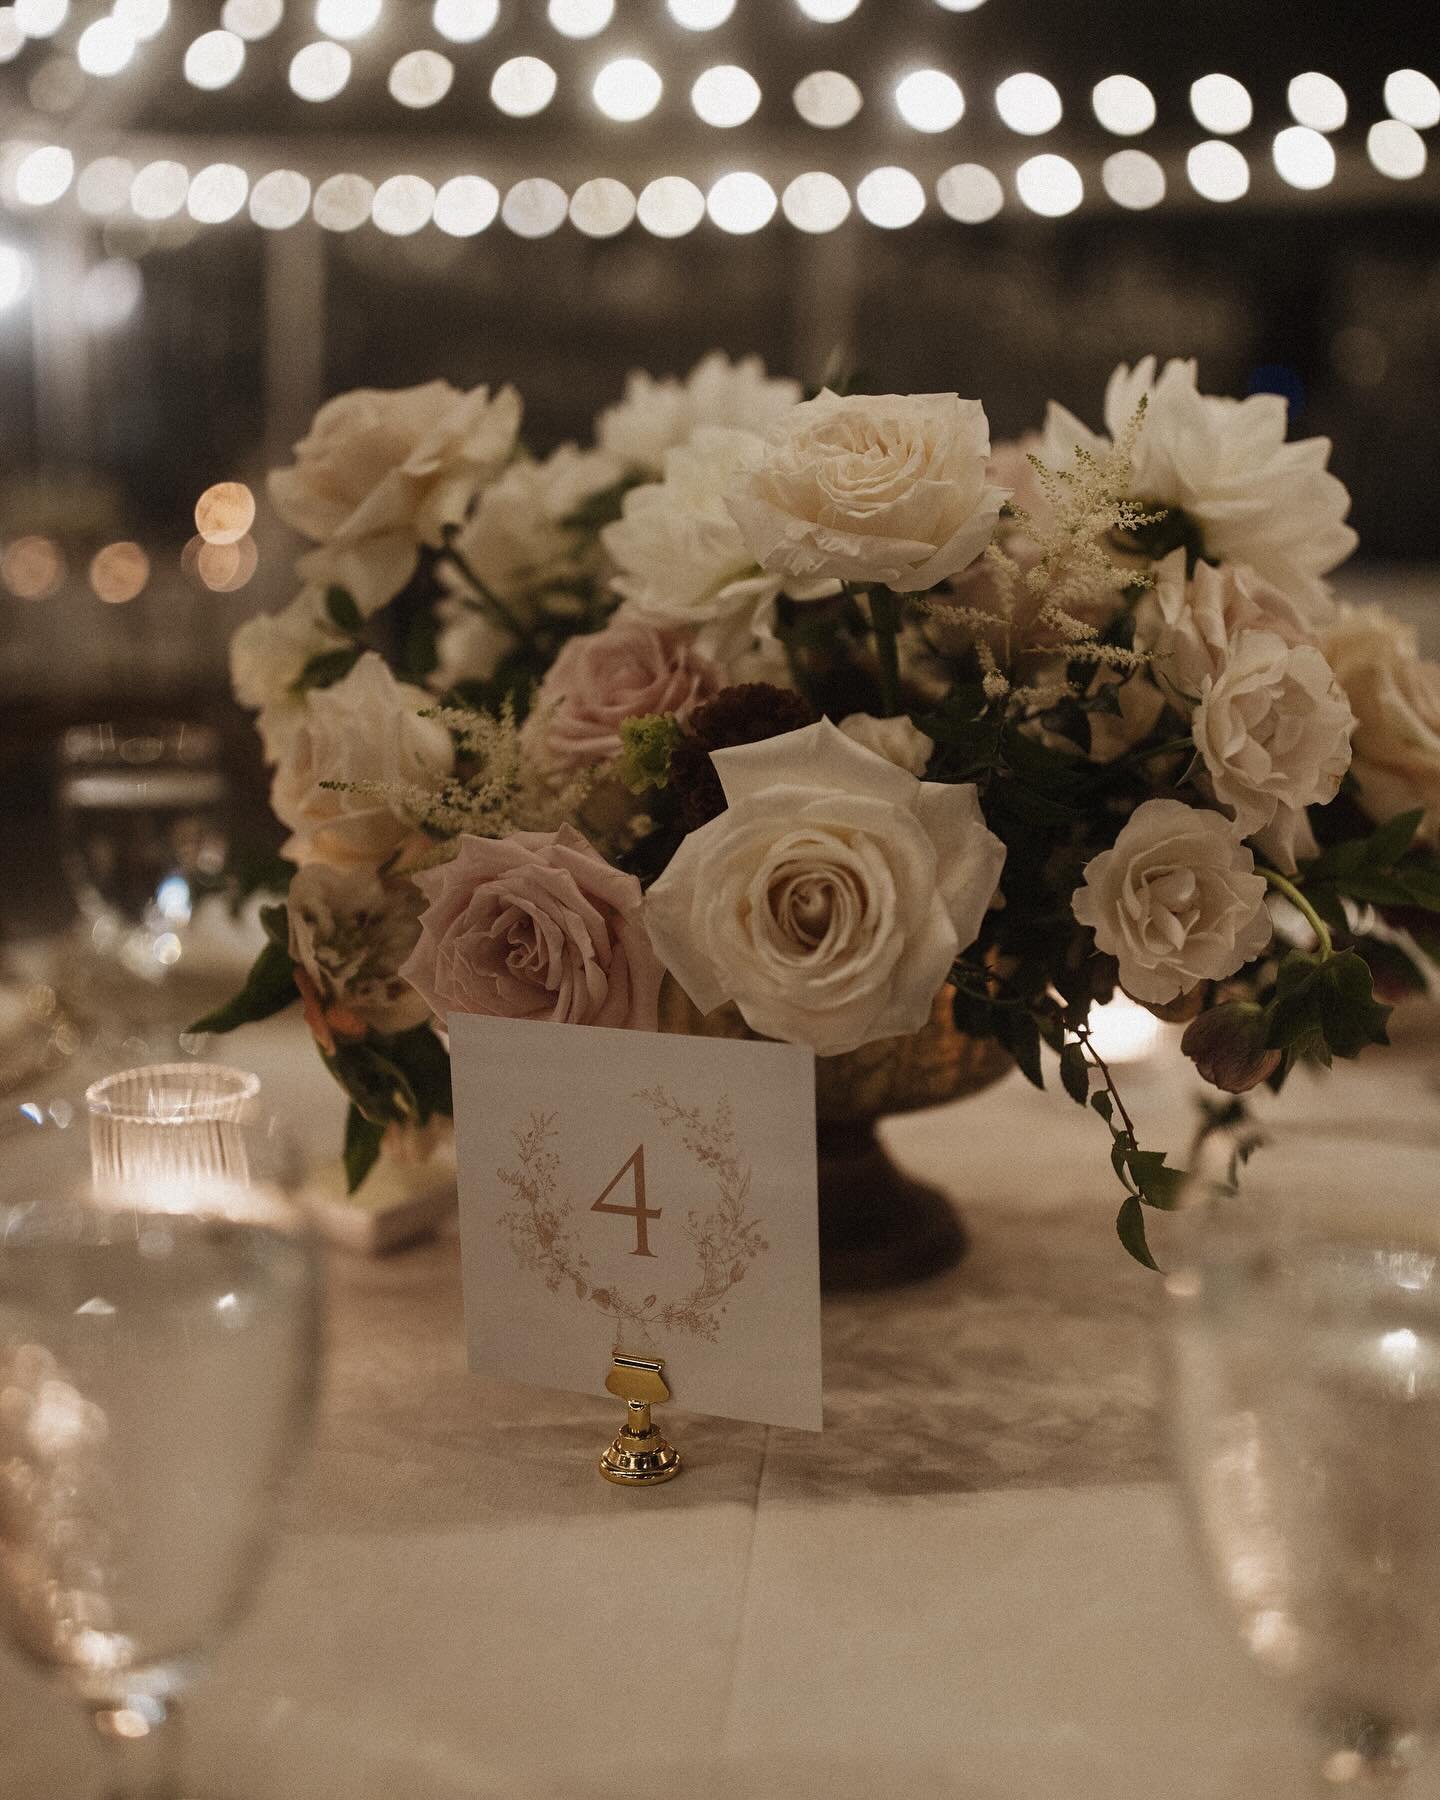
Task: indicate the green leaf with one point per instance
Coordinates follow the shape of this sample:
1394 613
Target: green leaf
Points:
1020 1035
325 668
1101 1103
363 1138
1350 1015
375 1083
269 988
1394 838
422 1059
343 611
1075 1074
1130 1228
1160 1186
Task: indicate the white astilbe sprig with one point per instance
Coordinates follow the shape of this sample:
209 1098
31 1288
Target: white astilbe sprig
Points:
496 790
1074 572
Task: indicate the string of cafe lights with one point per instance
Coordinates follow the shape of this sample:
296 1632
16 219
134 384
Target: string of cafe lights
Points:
162 191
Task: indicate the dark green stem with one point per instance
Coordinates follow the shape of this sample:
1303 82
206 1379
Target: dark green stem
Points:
885 610
1283 885
490 602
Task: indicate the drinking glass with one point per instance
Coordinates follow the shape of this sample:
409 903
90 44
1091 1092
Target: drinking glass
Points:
141 810
159 1333
1304 1402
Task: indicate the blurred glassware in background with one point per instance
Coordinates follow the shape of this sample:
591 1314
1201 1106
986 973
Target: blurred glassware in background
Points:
142 821
1304 1403
159 1351
142 816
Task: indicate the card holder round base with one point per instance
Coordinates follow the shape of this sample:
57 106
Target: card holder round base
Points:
640 1455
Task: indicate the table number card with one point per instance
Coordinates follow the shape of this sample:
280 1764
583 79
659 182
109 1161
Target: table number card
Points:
652 1195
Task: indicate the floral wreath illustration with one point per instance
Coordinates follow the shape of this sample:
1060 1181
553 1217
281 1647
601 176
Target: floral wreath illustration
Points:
726 1240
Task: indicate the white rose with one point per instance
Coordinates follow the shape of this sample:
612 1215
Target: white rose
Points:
517 541
897 740
1176 901
831 897
268 654
1395 696
469 645
1225 463
1273 729
886 488
680 560
350 931
383 472
1190 625
365 728
656 416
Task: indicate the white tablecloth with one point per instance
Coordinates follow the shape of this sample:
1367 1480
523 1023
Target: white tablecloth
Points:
973 1585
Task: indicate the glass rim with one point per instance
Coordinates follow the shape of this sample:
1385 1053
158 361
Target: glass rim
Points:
229 1090
139 742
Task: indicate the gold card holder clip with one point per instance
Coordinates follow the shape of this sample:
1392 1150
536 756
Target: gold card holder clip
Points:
639 1456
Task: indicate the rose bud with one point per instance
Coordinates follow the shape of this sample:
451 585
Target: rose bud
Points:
1227 1046
1182 1009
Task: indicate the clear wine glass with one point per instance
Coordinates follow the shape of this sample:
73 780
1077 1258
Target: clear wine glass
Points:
1304 1405
159 1348
142 823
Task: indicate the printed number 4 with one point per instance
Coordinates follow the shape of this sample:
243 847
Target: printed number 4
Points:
639 1212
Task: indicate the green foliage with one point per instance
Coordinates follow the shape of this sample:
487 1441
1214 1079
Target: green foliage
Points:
1324 1006
269 988
400 1079
1380 870
249 871
344 613
1130 1229
604 508
325 668
646 742
1075 1073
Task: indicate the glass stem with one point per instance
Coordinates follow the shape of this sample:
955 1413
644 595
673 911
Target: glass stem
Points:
142 1740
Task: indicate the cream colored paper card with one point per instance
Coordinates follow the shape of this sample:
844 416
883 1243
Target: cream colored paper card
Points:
623 1190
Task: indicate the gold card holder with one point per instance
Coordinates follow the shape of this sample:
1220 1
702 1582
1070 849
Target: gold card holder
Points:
639 1456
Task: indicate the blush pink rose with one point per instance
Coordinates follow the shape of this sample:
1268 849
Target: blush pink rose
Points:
600 680
536 925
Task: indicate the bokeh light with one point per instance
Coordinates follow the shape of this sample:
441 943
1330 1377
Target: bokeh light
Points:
110 293
403 205
252 19
1029 104
143 19
225 512
320 71
1133 180
1050 186
57 86
105 47
523 86
741 202
104 186
159 190
12 38
670 206
44 175
890 197
827 99
580 18
535 207
224 568
700 15
343 202
929 100
1303 157
466 204
119 573
602 207
32 567
214 59
627 89
217 193
1396 150
1123 105
725 96
16 274
1317 101
347 18
1412 98
827 12
41 18
465 21
421 78
816 202
280 199
970 193
1221 104
1218 171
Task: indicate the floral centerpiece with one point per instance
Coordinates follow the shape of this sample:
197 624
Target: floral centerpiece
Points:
827 709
